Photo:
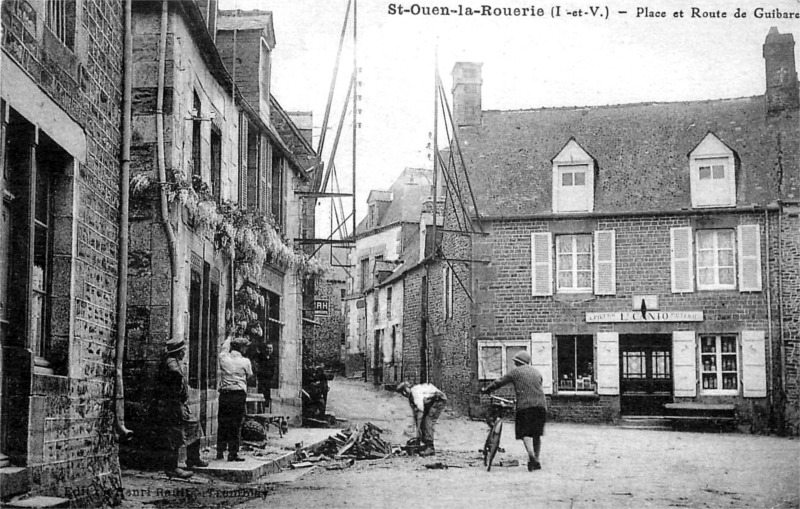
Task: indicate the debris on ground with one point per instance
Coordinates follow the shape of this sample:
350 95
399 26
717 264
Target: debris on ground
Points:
360 444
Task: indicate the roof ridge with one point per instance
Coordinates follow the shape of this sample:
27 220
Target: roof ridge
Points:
624 105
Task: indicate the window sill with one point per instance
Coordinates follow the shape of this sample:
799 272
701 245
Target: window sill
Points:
720 393
576 396
573 296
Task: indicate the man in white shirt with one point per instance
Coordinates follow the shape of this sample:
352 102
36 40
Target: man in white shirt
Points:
235 370
427 403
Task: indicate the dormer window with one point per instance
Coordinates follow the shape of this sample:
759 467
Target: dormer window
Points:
712 174
573 179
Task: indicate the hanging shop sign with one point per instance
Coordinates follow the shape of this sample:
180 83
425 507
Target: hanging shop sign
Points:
647 316
320 307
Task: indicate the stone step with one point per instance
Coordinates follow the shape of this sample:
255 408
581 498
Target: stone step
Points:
4 461
13 481
650 422
38 502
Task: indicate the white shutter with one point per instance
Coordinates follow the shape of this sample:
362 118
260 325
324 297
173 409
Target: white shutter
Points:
754 367
542 358
682 260
684 360
542 263
749 258
608 363
605 265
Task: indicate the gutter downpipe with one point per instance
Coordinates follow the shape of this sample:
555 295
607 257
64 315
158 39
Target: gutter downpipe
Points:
124 183
162 171
770 394
782 350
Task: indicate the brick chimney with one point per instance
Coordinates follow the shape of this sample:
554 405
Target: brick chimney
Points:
782 91
467 83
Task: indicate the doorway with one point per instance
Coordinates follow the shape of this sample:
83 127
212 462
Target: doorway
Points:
645 373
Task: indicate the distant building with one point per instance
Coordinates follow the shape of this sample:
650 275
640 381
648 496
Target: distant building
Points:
386 238
645 254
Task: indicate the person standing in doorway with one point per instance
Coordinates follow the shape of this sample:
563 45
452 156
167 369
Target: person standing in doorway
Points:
180 427
235 371
531 411
427 403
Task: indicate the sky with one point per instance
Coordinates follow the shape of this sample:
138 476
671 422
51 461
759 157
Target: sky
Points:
528 62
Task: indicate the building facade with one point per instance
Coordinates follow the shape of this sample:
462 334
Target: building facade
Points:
60 141
387 241
213 249
643 253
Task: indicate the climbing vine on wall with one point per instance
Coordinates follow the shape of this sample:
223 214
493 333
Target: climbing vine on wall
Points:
252 236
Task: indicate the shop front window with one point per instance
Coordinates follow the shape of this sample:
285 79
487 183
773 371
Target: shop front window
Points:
719 361
576 364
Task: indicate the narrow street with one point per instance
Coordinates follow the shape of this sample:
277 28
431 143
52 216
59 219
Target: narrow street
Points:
584 466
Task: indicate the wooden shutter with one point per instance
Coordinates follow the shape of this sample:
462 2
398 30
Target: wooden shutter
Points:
542 358
605 265
263 168
268 175
542 263
682 260
242 161
684 361
749 258
754 367
608 363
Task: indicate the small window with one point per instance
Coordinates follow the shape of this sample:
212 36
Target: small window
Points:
496 358
216 164
389 303
365 275
60 19
719 363
716 259
574 263
712 176
576 364
197 167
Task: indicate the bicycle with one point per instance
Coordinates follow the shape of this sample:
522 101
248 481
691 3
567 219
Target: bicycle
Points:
497 409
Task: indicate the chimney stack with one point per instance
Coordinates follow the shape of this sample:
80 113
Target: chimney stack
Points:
782 92
467 83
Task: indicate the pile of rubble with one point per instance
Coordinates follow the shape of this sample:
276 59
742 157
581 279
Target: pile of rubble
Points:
360 444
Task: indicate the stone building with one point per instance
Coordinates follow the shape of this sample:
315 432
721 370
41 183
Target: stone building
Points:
386 239
212 249
645 254
60 140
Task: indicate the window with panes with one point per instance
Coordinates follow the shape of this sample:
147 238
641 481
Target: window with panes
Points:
719 363
34 171
60 19
574 263
496 358
716 259
575 363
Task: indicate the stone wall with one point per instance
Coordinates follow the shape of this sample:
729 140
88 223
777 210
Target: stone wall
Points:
788 271
72 450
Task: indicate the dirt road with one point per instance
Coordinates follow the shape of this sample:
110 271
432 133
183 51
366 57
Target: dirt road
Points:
584 466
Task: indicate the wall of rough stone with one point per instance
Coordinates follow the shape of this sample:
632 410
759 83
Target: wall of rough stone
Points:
413 319
71 442
323 341
788 272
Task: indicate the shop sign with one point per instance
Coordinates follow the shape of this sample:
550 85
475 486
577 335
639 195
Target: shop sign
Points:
320 307
647 316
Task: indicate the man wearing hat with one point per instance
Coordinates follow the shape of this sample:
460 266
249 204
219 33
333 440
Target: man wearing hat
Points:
180 426
531 405
235 370
427 402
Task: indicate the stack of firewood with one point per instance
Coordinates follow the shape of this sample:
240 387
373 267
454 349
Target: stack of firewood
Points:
364 443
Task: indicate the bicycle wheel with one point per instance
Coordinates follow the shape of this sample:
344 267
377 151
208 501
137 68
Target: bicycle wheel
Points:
494 444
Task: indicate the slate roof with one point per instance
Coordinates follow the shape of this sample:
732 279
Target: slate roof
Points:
411 189
248 20
641 151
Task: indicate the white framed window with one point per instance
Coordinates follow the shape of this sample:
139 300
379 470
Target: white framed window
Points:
712 174
447 291
719 364
574 263
716 259
576 364
496 357
573 179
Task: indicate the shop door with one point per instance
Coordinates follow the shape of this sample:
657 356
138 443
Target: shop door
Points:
645 373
